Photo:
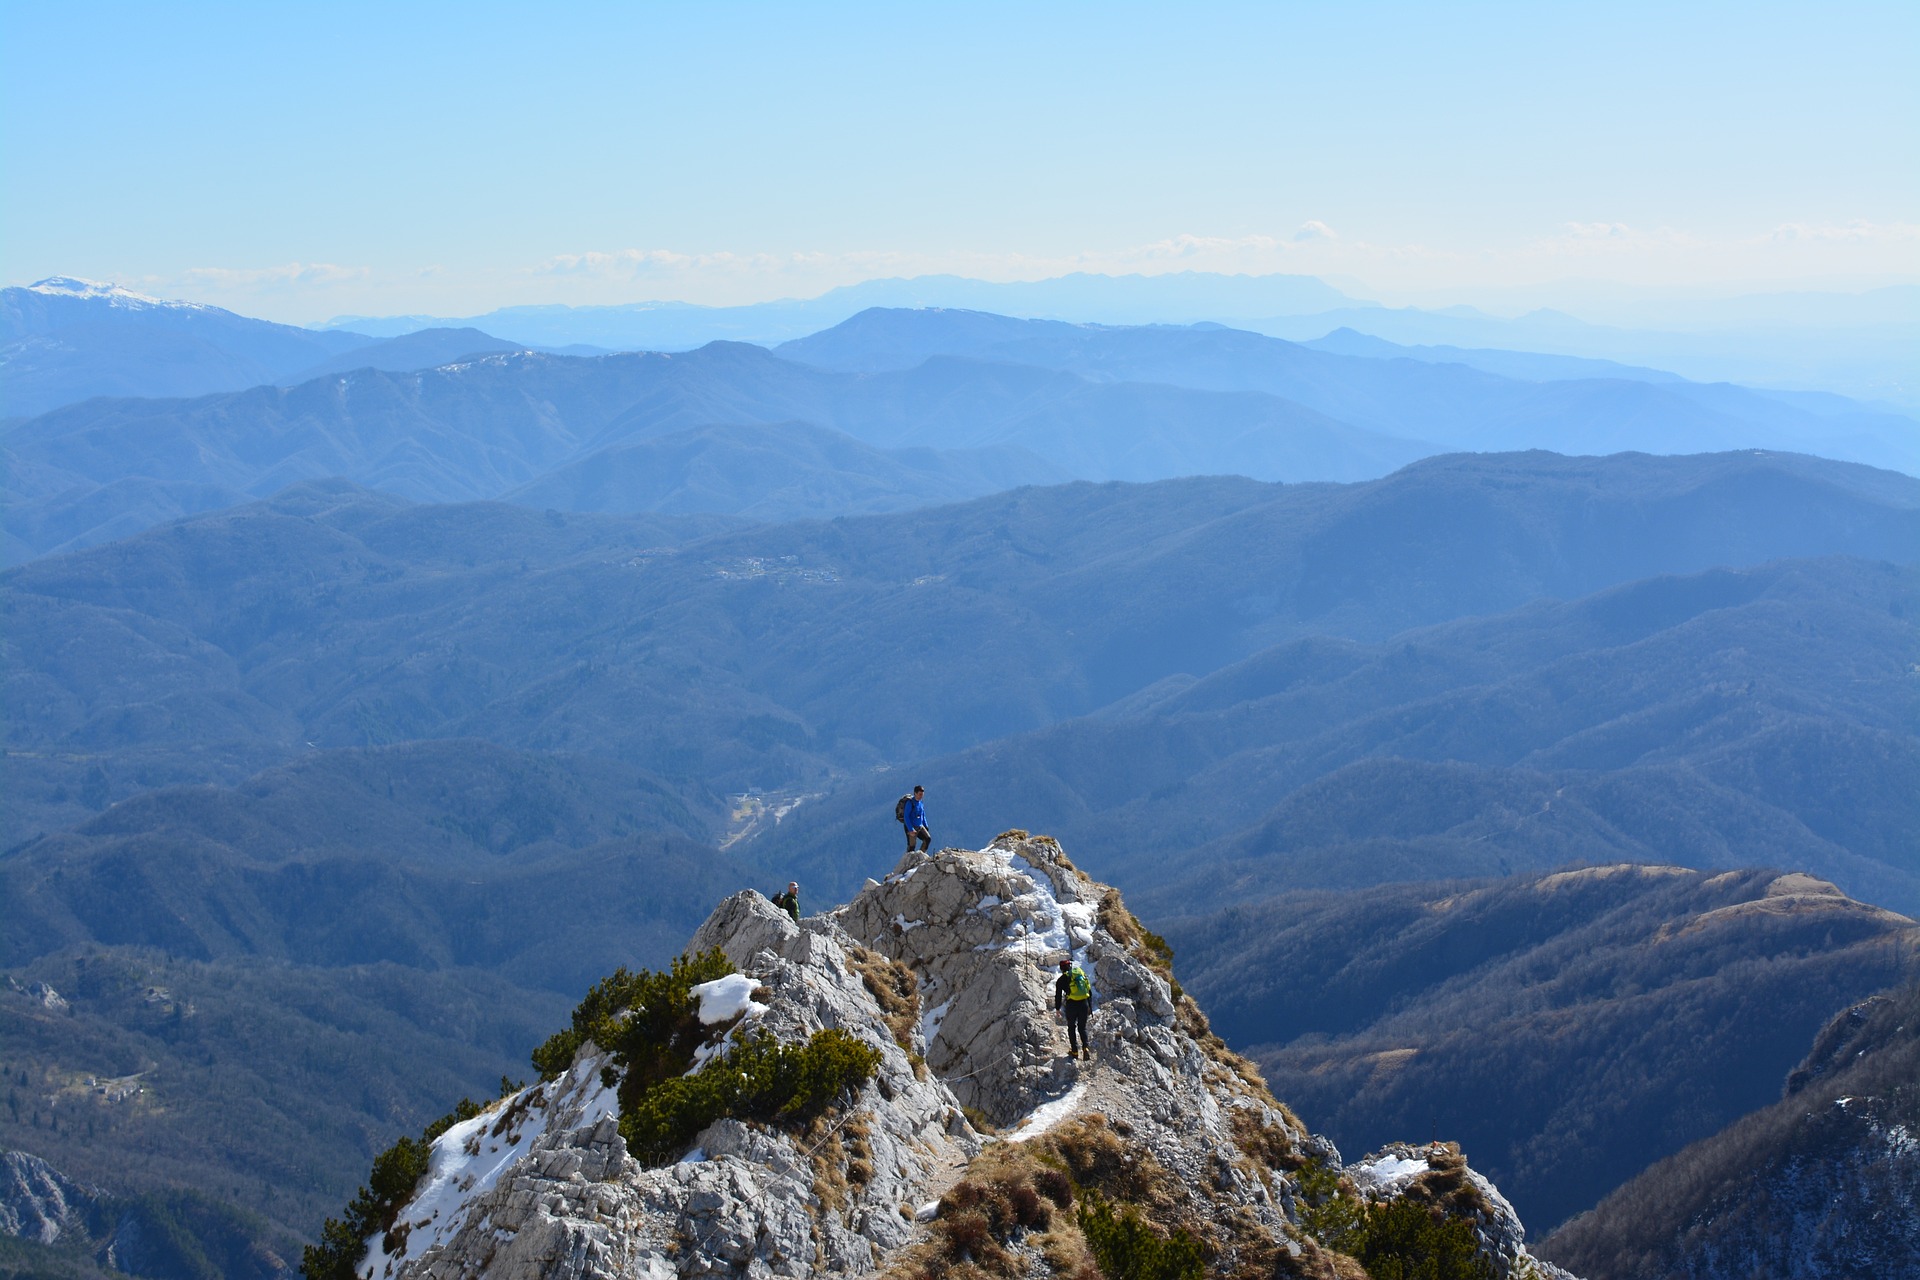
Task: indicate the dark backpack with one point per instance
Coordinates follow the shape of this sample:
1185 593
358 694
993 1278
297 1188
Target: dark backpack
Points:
900 808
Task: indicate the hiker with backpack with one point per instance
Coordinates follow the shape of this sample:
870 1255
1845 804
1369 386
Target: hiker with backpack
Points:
1073 995
789 901
911 813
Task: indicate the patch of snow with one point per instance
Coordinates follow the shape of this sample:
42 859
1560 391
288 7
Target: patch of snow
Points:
1052 930
726 998
469 1158
905 925
694 1156
1048 1114
112 294
930 1022
987 903
927 1212
1386 1175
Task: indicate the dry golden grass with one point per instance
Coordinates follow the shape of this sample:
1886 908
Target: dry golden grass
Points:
1446 1187
893 987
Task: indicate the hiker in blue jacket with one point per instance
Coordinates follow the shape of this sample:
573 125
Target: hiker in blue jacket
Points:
914 818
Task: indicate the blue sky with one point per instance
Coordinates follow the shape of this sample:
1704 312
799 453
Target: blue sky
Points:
300 160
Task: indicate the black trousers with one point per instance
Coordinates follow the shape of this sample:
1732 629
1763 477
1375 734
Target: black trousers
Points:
1077 1013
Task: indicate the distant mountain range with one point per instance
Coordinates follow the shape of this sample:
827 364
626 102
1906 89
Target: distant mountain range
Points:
1178 297
983 402
496 425
63 341
1534 402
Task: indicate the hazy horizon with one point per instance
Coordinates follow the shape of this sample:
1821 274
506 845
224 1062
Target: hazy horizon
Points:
449 162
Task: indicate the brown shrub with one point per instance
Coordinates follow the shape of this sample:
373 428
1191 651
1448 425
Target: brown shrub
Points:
859 1145
1445 1186
1055 1186
1268 1145
828 1153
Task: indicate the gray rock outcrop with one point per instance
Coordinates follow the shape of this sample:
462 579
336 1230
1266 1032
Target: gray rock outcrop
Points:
946 968
37 1201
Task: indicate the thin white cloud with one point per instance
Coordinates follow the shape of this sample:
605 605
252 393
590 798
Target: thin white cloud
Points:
288 275
1858 231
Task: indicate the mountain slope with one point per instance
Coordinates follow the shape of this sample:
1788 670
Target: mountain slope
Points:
485 427
430 855
63 341
1569 1029
781 656
254 1084
782 471
1819 1184
1719 719
425 349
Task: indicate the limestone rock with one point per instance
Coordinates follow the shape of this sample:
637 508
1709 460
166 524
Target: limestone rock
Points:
37 1201
946 967
542 1185
1438 1172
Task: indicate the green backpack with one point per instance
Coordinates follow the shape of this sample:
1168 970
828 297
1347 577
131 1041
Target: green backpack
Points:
1078 988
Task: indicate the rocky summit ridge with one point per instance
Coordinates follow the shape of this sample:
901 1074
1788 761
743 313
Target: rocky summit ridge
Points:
974 1147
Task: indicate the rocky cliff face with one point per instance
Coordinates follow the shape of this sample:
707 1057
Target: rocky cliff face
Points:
969 1142
37 1201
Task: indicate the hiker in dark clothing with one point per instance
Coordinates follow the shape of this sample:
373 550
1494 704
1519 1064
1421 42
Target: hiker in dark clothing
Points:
913 816
1073 995
789 901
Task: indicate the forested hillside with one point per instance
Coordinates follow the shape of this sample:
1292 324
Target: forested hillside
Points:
1819 1182
1567 1029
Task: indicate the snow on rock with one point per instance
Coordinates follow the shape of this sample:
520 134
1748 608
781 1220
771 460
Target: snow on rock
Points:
1439 1171
542 1185
727 998
1386 1175
470 1158
989 928
1048 1114
112 294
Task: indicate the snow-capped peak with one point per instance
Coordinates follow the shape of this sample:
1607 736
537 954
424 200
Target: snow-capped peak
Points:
113 294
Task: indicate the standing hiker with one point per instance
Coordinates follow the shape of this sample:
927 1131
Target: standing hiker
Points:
1073 994
789 901
912 813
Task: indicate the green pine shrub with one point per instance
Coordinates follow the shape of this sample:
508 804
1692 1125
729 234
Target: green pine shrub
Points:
1402 1240
1399 1239
649 1021
1126 1248
761 1079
